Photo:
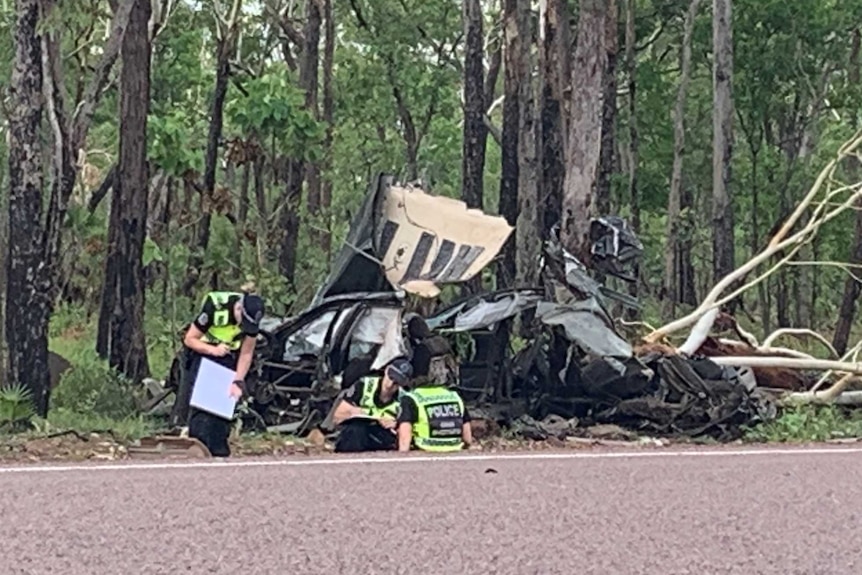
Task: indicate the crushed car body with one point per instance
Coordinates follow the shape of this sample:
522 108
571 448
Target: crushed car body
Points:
572 371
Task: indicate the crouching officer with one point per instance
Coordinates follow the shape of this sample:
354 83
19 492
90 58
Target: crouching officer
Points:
433 418
367 414
225 331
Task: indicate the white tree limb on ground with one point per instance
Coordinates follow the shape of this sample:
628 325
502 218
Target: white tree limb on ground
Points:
826 200
822 195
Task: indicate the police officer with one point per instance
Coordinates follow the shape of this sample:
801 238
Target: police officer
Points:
225 331
433 418
368 412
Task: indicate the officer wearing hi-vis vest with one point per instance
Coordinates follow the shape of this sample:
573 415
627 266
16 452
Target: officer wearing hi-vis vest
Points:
433 418
225 331
368 412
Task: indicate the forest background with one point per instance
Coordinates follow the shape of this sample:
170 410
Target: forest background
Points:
153 150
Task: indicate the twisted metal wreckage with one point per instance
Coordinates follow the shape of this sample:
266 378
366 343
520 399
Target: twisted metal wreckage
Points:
574 371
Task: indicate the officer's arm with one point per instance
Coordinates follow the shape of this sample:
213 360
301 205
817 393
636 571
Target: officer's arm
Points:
467 433
405 435
347 407
193 338
467 429
246 353
406 417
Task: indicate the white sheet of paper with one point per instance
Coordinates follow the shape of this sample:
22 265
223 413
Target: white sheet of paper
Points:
212 389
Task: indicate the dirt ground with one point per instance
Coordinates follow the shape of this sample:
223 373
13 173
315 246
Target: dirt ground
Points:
73 446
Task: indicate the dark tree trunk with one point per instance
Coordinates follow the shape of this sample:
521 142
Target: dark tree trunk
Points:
722 205
687 278
553 66
782 301
296 167
109 283
244 200
852 287
288 221
308 82
609 111
583 145
634 138
128 350
328 118
529 223
260 191
475 133
509 173
4 252
27 294
672 265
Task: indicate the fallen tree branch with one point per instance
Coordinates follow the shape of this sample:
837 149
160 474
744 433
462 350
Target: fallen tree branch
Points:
846 150
778 351
797 332
789 363
826 396
699 332
852 354
627 323
845 267
779 243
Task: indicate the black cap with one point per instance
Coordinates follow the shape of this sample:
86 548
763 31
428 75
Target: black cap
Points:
400 370
252 313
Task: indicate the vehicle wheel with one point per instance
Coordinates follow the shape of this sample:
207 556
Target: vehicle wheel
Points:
264 393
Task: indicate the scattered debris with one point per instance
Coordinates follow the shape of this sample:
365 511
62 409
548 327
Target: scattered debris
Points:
168 446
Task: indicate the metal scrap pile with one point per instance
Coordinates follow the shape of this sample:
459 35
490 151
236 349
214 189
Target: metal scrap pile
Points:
577 371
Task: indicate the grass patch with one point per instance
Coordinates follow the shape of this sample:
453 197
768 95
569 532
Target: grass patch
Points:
73 335
125 429
91 396
807 423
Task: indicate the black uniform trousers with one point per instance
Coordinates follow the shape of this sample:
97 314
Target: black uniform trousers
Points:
364 435
211 430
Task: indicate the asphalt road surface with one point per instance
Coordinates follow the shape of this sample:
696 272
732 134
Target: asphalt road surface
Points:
749 512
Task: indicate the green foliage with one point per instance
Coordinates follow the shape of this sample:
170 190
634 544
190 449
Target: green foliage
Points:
272 108
168 142
809 423
16 405
92 387
464 346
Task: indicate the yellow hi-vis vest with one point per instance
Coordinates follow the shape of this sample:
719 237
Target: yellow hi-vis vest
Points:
369 388
440 414
224 328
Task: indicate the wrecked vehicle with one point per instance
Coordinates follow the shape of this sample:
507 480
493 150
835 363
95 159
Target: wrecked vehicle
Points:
572 369
403 240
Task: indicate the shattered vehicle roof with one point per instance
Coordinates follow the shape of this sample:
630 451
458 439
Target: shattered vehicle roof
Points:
406 239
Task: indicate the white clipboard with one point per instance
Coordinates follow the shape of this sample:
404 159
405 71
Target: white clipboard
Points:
211 392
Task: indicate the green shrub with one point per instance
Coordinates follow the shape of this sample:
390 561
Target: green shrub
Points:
809 423
91 387
16 405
